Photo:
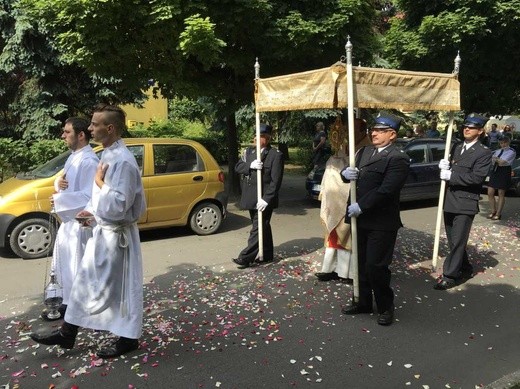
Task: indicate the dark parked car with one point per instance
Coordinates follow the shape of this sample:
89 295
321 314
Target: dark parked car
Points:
515 144
515 176
423 181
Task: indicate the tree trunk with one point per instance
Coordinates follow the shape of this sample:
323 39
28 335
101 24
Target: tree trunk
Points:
233 183
284 149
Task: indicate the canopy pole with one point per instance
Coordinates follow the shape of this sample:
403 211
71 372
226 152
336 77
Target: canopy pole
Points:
441 198
442 192
259 174
352 163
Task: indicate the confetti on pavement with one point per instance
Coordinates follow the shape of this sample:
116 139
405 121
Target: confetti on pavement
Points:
197 310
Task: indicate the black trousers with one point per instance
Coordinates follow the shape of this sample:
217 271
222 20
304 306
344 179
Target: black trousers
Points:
458 228
250 253
375 252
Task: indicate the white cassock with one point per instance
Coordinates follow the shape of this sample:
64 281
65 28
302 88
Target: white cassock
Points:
80 170
107 293
334 197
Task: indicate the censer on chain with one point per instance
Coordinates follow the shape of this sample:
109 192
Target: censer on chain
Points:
53 296
53 291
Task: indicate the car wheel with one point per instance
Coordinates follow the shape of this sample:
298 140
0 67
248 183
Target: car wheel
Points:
205 219
32 238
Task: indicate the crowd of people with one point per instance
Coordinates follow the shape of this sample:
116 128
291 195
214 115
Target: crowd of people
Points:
97 251
489 138
379 175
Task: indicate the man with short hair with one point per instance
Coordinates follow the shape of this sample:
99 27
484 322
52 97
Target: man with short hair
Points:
270 165
73 192
433 132
380 173
464 174
493 137
107 293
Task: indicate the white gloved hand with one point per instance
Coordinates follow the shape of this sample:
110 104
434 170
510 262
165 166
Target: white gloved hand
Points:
350 173
444 164
256 165
261 205
353 210
445 174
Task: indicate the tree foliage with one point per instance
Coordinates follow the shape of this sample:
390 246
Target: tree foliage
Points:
38 89
17 156
194 48
427 34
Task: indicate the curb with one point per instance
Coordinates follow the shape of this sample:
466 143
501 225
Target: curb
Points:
510 381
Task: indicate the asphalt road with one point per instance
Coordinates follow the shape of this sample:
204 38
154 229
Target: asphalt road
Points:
208 324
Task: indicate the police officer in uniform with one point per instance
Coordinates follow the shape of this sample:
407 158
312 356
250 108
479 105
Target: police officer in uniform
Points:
270 165
380 173
464 174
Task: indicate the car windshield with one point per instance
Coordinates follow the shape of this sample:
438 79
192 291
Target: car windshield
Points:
50 168
400 142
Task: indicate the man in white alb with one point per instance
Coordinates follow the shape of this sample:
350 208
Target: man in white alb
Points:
73 191
107 293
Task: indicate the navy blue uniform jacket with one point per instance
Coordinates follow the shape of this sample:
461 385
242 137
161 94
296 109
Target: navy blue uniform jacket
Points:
468 172
378 186
272 174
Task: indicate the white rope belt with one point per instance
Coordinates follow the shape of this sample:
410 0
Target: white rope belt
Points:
122 231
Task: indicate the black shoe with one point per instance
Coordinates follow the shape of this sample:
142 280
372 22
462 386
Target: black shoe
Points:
55 338
348 281
356 309
120 347
327 276
466 274
45 314
444 284
264 261
241 264
386 318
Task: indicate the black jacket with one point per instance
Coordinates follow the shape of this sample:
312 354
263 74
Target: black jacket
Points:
468 172
378 187
272 174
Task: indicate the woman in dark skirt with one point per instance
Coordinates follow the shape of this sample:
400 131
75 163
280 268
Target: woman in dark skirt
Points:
500 177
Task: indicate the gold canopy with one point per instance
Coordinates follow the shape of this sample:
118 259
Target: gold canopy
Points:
373 88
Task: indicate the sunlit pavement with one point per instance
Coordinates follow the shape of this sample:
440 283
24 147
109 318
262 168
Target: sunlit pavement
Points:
275 326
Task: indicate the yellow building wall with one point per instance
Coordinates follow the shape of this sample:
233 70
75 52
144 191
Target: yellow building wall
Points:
154 109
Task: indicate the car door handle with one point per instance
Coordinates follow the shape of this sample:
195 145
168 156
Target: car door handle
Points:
198 178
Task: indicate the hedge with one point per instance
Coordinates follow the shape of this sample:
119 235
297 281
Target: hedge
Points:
19 156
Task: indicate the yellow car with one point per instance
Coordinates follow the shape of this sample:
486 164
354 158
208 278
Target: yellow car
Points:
184 185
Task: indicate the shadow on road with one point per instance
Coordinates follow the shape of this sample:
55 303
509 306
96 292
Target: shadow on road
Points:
298 247
6 253
275 326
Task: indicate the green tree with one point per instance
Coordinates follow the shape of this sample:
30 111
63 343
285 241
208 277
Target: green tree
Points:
426 35
38 90
194 48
